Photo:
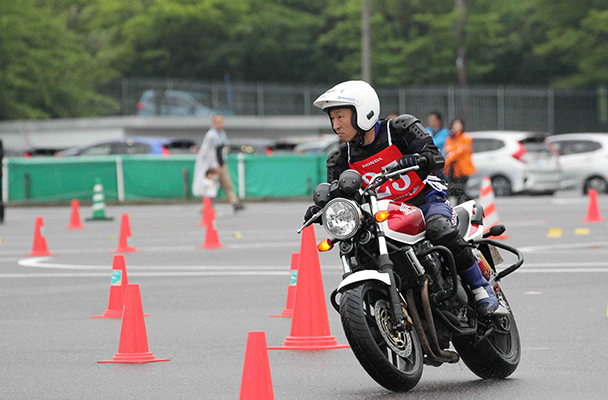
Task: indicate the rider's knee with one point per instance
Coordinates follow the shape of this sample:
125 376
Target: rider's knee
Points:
441 231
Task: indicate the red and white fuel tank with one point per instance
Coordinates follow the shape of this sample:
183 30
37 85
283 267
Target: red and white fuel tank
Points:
405 222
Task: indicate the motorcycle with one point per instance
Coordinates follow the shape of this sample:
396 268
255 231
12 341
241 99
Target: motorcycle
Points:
401 301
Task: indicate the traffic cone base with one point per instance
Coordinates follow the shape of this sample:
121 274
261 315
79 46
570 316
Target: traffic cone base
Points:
109 314
99 219
310 322
133 346
310 343
136 358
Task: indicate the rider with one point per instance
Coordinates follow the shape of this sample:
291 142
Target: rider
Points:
368 145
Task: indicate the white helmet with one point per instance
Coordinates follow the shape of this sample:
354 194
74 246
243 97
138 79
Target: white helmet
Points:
357 94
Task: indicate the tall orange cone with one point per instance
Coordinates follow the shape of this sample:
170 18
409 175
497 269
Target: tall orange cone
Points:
486 200
593 211
256 383
291 289
208 212
212 239
125 243
75 217
118 288
133 346
40 248
310 323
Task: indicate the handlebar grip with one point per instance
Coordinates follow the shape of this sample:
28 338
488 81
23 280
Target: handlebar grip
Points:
423 162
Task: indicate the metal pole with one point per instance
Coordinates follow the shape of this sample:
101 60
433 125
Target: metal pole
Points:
451 103
260 98
366 65
120 180
186 183
551 111
125 96
500 97
241 174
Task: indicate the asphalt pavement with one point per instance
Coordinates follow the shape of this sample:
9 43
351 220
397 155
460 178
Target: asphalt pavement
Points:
202 303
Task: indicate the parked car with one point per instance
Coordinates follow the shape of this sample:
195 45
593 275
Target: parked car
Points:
133 146
516 162
318 146
584 160
175 102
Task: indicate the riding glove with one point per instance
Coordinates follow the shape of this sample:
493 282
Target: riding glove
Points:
409 160
312 210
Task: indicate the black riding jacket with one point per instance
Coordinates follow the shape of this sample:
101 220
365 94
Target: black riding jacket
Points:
410 137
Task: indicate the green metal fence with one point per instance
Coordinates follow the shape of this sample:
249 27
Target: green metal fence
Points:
144 177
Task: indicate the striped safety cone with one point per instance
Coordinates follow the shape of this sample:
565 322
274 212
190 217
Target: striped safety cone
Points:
99 205
486 200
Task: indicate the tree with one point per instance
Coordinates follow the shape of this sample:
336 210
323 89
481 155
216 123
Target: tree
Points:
44 70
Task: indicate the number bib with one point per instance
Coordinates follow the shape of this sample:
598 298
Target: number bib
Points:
402 189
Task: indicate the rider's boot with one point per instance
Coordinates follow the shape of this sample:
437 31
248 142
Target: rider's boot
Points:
485 299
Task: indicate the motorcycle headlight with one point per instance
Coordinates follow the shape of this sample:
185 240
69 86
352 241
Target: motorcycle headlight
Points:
342 218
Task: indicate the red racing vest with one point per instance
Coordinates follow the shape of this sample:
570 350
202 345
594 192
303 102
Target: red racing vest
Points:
402 189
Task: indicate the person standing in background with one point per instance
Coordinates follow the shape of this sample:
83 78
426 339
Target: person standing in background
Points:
459 161
211 156
438 132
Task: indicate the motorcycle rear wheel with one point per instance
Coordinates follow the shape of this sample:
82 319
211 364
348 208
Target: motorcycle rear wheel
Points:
497 356
365 314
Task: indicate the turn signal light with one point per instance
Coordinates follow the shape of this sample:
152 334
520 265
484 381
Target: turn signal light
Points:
381 216
325 245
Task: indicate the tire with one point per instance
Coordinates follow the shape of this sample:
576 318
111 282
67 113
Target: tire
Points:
595 182
496 357
358 310
501 185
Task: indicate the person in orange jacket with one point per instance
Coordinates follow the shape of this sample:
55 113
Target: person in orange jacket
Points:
458 162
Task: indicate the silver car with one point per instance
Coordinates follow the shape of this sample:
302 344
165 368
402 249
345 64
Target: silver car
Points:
584 160
516 162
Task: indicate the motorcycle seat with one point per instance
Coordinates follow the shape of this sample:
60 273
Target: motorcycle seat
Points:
463 221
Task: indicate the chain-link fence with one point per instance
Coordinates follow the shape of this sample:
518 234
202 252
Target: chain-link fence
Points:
482 107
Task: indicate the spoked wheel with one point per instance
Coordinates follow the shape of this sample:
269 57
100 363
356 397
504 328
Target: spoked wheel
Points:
497 355
393 359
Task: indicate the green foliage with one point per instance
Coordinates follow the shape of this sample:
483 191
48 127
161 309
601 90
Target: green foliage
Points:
54 54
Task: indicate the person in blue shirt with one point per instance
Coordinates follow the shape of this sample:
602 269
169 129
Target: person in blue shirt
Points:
438 132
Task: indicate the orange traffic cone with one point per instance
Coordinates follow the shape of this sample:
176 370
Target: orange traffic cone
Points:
75 218
291 289
212 239
40 249
133 346
593 211
310 323
118 288
208 212
256 383
125 242
486 200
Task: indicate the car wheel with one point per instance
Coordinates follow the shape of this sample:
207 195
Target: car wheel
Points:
596 182
501 186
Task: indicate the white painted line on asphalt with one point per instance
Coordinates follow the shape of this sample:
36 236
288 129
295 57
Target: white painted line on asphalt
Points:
238 246
532 249
533 293
565 265
559 270
143 274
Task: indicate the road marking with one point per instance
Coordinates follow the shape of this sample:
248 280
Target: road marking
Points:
532 293
565 246
566 264
582 231
555 233
560 270
142 274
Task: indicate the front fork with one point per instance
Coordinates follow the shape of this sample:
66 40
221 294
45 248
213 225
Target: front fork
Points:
386 265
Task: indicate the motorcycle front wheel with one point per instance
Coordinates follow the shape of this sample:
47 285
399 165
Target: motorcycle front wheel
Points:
496 356
393 359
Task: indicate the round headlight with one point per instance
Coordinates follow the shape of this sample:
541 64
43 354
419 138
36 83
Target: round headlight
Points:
342 218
